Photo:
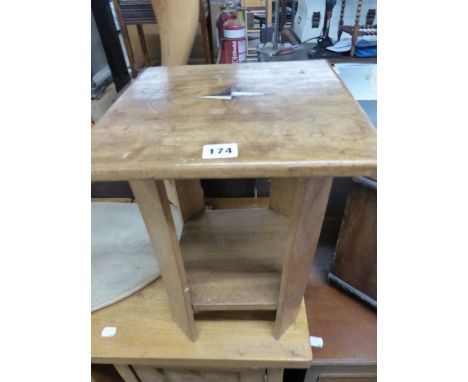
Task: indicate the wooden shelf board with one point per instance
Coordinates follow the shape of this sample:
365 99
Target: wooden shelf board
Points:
237 203
233 258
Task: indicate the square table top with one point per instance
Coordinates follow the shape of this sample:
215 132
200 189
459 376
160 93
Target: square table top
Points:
288 119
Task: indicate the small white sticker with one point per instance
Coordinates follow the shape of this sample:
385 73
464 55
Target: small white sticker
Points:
109 331
222 150
316 342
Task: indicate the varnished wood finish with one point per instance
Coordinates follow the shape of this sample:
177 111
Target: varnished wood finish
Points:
236 203
147 335
342 373
356 250
154 207
152 374
133 14
275 375
190 195
347 325
171 192
308 210
177 21
305 124
177 30
252 375
148 373
186 195
233 259
126 373
282 192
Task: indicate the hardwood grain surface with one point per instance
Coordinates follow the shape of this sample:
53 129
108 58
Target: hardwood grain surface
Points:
282 193
356 250
307 212
190 197
147 335
126 373
177 21
155 209
236 203
275 375
303 123
347 325
152 374
233 258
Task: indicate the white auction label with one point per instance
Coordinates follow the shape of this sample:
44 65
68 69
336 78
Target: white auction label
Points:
316 342
221 150
109 331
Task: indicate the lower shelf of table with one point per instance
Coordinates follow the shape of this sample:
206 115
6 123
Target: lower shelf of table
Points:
233 258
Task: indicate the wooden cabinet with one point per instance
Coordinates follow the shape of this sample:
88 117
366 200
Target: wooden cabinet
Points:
355 267
347 325
342 373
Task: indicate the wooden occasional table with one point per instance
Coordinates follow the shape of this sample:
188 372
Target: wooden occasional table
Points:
149 340
293 122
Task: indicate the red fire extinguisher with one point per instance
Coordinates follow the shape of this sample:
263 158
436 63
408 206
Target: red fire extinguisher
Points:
232 35
234 44
224 16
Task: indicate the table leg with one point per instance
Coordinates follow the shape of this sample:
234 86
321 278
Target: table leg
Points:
255 375
177 20
275 375
126 373
154 206
282 194
306 218
190 197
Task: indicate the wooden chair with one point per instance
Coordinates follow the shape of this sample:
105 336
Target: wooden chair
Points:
356 30
140 12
